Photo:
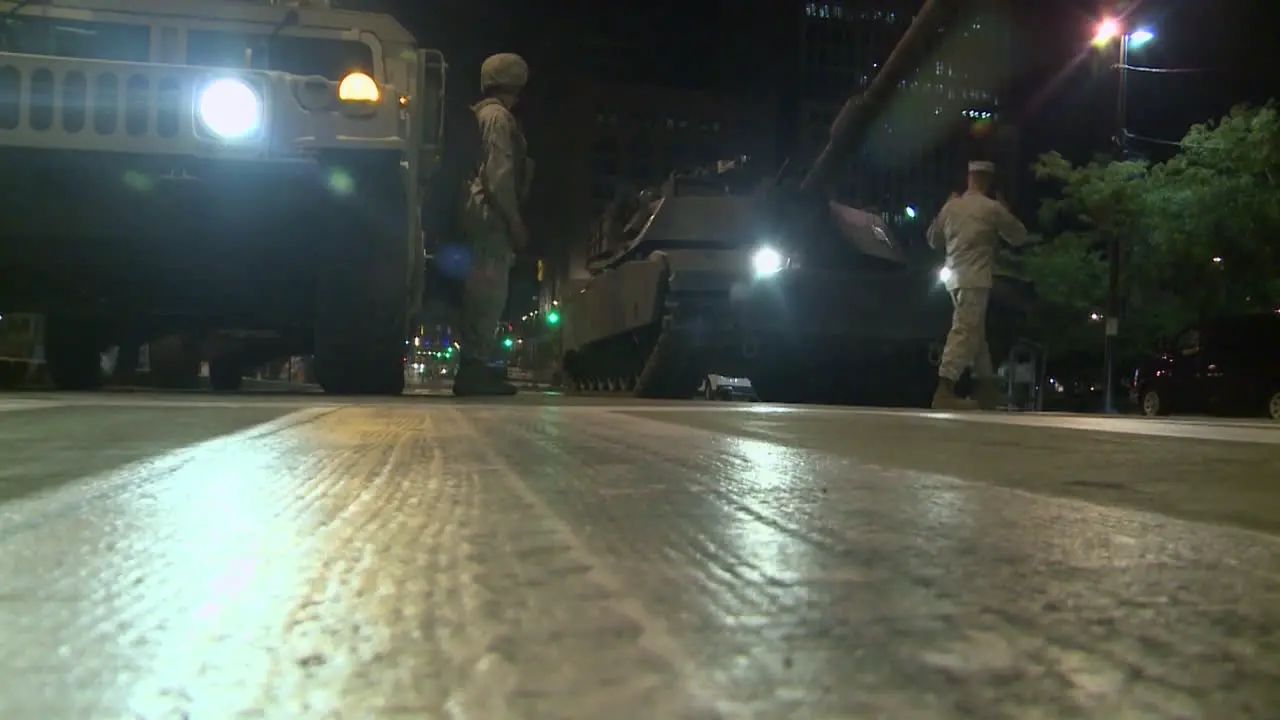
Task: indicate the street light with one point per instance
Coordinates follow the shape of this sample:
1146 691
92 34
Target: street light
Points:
1110 29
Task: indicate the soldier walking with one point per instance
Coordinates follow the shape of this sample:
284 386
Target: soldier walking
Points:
970 227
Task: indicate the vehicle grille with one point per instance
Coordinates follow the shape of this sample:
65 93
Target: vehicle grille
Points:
54 102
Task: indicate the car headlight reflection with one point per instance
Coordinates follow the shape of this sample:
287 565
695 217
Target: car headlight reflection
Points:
768 261
230 109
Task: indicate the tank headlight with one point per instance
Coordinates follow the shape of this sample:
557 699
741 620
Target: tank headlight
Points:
359 87
944 274
230 109
767 261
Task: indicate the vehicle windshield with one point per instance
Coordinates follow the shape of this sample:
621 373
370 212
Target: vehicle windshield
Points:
329 58
75 39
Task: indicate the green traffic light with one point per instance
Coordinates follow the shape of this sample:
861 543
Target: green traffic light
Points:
553 317
508 342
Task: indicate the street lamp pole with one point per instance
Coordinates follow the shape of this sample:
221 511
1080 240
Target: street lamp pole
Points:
1108 30
1112 320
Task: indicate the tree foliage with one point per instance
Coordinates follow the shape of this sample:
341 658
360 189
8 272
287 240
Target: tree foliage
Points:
1198 234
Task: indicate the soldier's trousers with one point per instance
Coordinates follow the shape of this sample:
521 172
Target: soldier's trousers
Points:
484 297
967 342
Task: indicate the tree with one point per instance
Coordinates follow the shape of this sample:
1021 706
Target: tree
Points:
1197 233
1214 214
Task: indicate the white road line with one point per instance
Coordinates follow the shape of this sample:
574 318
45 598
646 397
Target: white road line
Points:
1225 431
16 405
154 402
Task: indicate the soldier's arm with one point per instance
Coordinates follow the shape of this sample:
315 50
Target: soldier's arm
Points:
500 181
1010 228
936 237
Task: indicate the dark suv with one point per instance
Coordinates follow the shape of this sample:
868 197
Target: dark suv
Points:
1229 366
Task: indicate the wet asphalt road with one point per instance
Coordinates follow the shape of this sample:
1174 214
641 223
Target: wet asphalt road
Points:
291 557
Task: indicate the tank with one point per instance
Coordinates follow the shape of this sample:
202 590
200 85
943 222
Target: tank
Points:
813 301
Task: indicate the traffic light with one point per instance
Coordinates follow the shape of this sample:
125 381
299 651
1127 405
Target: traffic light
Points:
553 318
508 343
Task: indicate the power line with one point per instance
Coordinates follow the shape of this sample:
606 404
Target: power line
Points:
1163 71
1156 141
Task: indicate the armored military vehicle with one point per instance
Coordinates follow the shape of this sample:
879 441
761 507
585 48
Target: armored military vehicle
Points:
811 300
188 166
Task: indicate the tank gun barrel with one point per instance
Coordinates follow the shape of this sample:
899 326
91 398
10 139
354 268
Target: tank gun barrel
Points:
852 124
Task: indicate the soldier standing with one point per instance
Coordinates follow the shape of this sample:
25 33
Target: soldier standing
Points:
970 227
492 224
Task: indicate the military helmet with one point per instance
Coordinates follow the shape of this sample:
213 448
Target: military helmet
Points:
504 70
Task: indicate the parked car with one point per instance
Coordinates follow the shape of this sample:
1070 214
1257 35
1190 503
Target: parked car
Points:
1229 366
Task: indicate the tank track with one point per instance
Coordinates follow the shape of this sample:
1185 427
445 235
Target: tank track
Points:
654 362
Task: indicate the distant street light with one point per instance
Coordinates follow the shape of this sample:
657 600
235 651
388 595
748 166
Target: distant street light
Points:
911 212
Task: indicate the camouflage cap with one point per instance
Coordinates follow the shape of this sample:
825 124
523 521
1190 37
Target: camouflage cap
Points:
982 166
505 70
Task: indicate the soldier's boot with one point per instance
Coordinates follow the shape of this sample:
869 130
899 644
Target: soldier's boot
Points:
945 398
475 379
988 393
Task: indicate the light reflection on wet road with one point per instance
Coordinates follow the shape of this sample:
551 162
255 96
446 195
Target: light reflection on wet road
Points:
296 558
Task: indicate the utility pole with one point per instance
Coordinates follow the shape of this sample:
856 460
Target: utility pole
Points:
1112 319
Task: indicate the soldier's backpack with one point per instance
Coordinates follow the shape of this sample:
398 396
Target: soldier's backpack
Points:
450 182
446 194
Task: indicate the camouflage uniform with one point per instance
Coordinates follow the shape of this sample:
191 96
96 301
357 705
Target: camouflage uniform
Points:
495 195
970 227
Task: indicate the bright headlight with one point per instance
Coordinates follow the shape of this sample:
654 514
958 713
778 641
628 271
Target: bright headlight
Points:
359 87
767 261
230 109
944 274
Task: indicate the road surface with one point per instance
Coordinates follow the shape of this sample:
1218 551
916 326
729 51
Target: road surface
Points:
295 557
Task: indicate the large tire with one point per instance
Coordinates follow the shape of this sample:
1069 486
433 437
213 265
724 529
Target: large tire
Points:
73 354
226 374
364 287
175 362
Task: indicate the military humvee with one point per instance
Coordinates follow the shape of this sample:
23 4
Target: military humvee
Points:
190 166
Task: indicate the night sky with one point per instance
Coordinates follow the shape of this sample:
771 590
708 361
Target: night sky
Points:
1229 44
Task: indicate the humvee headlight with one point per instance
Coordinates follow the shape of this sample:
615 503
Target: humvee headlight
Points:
944 275
767 261
359 87
230 109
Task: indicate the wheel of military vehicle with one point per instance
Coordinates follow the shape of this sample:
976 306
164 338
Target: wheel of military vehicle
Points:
175 362
1153 405
363 286
709 391
226 374
1273 406
72 354
126 369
